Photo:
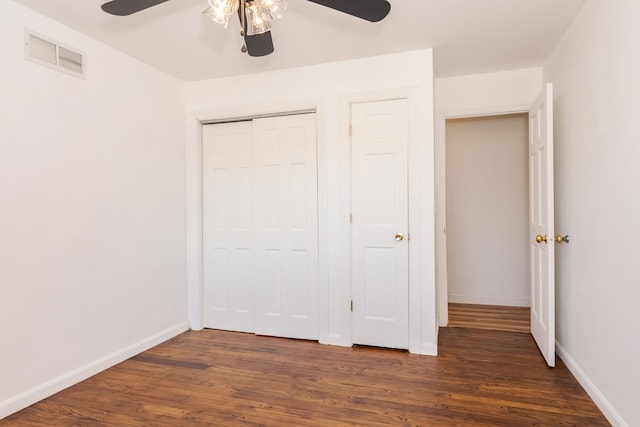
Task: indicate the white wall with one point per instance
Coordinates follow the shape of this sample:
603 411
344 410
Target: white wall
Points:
485 93
330 88
487 210
595 70
92 217
470 96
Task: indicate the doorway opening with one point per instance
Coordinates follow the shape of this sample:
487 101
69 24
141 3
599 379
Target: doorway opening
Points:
487 199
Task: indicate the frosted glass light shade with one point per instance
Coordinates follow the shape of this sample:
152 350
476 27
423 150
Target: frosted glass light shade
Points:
220 11
255 22
273 10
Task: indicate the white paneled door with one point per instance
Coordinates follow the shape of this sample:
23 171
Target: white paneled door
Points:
541 224
380 229
228 226
286 226
260 222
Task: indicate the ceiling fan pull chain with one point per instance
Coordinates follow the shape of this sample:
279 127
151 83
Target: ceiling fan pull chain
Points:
243 16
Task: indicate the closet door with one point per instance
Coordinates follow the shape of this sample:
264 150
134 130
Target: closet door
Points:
228 226
380 223
286 226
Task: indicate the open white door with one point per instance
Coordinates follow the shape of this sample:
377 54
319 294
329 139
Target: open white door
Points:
541 227
380 239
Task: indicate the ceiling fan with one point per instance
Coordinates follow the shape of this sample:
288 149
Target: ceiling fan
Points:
256 15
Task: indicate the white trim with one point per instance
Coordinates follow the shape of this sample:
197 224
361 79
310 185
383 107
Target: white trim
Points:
195 279
428 349
49 388
592 390
323 224
441 203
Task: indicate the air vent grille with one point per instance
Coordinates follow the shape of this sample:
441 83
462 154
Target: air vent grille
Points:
70 60
42 50
47 52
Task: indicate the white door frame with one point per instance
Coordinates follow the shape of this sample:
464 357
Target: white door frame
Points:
421 301
441 194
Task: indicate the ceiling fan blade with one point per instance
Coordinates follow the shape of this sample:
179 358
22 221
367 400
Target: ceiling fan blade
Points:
259 44
370 10
129 7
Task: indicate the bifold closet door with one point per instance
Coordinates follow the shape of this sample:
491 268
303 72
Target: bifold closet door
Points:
228 226
286 226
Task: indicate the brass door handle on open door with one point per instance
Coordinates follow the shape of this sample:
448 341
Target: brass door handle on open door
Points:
541 239
399 236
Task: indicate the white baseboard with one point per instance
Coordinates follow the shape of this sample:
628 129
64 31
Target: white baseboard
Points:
335 340
49 388
600 400
490 300
428 349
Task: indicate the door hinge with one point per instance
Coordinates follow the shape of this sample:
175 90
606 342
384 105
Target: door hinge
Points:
350 218
350 130
352 306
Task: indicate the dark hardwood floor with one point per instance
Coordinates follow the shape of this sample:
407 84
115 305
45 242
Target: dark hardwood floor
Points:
481 378
495 317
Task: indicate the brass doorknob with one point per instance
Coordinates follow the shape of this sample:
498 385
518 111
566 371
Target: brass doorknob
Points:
399 236
560 238
541 239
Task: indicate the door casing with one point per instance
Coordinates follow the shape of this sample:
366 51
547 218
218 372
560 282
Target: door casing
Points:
441 206
422 292
485 223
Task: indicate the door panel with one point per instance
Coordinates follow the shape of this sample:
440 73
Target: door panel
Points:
286 226
541 223
380 279
228 226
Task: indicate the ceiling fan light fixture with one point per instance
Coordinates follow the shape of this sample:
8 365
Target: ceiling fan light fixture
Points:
272 10
221 10
256 15
256 24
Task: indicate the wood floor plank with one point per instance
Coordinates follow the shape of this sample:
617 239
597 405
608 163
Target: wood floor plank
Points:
492 317
481 378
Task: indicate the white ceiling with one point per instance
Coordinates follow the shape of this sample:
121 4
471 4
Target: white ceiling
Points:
468 36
